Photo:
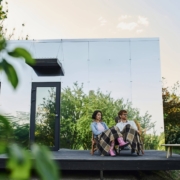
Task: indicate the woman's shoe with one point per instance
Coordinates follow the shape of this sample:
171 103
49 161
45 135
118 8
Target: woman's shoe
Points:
111 152
122 143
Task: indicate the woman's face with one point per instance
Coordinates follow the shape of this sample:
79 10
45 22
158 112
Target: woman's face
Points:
98 116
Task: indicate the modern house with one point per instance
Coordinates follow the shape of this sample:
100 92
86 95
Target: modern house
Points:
126 68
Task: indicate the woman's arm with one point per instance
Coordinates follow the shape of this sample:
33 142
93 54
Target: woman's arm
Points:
94 130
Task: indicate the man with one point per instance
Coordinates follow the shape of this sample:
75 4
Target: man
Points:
130 132
122 122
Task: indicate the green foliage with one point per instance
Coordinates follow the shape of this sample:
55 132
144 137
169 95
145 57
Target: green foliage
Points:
6 66
73 106
2 44
45 167
19 128
171 108
76 112
171 105
3 16
172 133
5 127
145 122
45 120
22 53
153 141
10 72
21 134
19 162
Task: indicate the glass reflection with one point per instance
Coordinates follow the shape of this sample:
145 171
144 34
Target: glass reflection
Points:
146 76
45 116
21 127
16 106
109 68
75 64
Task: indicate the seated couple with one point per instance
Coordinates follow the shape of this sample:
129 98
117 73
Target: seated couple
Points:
125 132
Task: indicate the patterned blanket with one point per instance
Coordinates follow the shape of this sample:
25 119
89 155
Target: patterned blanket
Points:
104 139
131 135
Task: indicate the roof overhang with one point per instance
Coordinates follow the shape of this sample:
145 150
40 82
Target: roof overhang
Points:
48 67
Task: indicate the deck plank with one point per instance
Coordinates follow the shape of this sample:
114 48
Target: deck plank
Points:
83 160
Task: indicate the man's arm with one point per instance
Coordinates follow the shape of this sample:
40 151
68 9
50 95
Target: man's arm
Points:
133 124
119 126
138 126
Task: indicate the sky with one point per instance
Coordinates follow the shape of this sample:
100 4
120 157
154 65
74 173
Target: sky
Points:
69 19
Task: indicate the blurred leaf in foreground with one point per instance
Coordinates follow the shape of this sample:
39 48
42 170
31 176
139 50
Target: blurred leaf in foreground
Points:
22 53
44 164
19 162
10 72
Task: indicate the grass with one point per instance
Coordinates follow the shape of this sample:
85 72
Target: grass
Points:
176 150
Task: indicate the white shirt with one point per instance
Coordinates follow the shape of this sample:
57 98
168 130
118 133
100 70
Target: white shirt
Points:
121 124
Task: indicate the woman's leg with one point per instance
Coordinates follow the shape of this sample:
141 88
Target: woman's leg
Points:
106 137
111 151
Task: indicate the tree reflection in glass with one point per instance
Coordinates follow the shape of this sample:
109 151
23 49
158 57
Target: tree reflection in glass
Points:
45 116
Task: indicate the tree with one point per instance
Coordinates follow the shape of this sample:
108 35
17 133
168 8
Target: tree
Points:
76 111
3 17
45 120
3 30
171 105
171 108
20 128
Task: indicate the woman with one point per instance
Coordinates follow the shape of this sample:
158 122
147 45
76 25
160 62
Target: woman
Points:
105 136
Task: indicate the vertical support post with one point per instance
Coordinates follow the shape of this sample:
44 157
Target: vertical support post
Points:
171 151
101 174
168 152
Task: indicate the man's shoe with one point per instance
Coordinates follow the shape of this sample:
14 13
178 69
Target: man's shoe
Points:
132 151
122 143
127 148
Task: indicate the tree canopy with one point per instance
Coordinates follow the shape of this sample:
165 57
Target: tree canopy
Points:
171 108
76 111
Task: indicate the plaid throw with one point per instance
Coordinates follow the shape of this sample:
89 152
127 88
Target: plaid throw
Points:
104 139
132 136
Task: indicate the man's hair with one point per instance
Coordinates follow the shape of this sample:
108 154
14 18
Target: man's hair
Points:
95 113
121 112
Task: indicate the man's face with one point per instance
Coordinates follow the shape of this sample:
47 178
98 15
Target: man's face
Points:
123 116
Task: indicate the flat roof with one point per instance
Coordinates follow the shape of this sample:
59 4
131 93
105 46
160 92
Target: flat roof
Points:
87 40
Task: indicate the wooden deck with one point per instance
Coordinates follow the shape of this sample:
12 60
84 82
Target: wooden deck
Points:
83 160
